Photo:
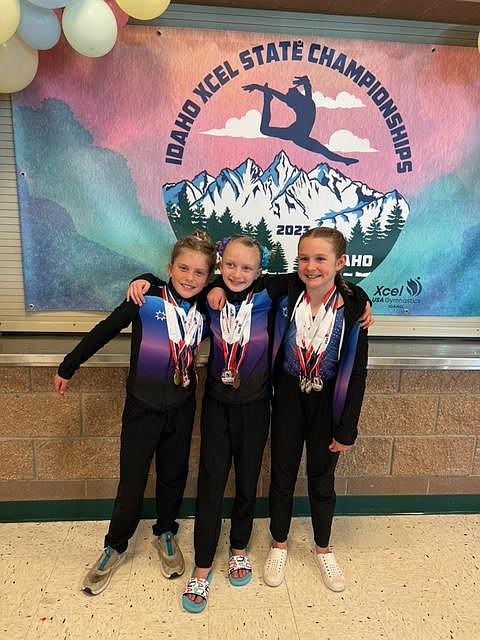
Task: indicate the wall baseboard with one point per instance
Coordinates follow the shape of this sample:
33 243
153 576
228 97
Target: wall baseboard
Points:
65 510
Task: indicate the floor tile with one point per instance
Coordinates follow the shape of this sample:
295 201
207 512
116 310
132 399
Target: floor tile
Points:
409 576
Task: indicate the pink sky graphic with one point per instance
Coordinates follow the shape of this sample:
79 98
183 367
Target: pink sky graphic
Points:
129 100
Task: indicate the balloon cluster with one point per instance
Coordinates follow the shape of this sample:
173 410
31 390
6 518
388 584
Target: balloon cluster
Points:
90 27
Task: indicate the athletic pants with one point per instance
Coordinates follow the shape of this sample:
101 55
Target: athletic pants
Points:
299 418
228 430
146 432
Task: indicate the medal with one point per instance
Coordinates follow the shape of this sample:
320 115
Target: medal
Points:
185 331
227 376
312 337
235 326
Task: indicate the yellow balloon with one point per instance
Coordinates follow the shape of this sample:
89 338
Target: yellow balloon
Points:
9 19
143 9
18 65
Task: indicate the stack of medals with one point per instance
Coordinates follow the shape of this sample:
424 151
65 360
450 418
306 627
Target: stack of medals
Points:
184 334
313 335
310 384
235 329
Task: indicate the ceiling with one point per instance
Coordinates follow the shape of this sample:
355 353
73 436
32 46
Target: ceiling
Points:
450 11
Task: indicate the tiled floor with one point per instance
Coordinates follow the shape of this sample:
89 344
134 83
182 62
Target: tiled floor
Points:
409 578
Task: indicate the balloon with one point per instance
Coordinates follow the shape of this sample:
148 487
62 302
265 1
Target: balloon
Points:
18 65
90 27
143 9
38 27
9 19
120 16
51 4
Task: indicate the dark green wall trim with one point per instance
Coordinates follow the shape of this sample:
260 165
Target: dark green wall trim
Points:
61 510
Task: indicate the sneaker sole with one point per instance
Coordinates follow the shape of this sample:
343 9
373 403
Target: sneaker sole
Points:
174 574
95 592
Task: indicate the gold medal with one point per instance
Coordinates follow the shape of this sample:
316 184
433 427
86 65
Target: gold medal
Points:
177 377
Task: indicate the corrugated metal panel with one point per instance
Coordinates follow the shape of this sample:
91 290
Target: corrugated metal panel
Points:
14 317
314 24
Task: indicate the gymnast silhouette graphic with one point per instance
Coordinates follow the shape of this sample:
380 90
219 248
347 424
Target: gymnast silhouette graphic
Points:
305 111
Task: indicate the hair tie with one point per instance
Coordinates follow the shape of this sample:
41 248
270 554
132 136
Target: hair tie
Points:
221 244
265 257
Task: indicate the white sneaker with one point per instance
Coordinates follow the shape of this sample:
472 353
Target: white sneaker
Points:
331 573
274 567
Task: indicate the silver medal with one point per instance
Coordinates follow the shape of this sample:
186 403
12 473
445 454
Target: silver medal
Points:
185 379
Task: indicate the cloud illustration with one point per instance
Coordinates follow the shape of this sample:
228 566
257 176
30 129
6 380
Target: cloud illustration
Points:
248 126
344 100
346 141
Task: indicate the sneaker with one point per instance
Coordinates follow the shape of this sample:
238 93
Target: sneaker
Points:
274 567
331 573
172 564
99 576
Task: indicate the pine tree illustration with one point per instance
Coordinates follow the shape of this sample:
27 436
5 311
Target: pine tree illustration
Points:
356 243
263 235
199 218
395 222
173 216
183 223
278 262
229 227
214 227
374 232
249 230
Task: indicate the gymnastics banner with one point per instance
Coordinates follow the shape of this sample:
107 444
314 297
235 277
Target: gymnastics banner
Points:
265 135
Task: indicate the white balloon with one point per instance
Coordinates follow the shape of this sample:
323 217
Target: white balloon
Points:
38 27
90 27
51 4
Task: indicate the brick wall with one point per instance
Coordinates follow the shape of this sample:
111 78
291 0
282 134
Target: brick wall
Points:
420 434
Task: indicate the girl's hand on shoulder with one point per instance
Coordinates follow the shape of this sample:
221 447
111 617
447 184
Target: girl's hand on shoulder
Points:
366 319
137 290
60 385
338 447
216 298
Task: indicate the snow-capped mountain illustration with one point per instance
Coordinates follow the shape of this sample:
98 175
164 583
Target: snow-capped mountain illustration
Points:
291 200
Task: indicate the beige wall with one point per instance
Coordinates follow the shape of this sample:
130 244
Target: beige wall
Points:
420 434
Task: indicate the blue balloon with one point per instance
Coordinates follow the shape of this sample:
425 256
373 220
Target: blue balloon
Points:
38 27
52 4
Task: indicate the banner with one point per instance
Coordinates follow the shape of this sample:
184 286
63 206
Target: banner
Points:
265 135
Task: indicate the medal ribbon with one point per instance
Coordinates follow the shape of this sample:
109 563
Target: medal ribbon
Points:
313 334
184 330
235 329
